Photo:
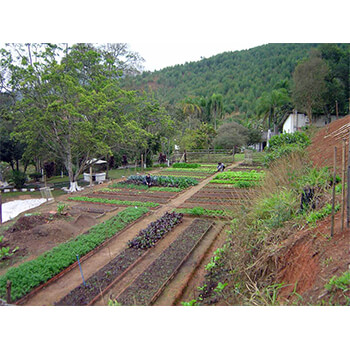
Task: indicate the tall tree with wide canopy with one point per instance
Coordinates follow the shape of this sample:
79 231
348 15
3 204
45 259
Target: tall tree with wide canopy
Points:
310 84
75 108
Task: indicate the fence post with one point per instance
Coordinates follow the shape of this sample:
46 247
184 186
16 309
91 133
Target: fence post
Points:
333 190
348 191
343 185
0 208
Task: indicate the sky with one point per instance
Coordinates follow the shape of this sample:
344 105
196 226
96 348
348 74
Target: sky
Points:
161 55
166 33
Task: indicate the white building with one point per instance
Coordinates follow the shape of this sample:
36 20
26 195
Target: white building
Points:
294 122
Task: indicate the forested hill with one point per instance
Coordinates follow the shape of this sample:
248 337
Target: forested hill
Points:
240 76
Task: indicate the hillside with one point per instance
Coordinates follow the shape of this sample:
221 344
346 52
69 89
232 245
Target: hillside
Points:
240 76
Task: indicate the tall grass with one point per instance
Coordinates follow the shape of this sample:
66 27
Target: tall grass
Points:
262 225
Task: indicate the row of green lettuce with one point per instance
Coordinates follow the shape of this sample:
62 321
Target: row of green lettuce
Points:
31 274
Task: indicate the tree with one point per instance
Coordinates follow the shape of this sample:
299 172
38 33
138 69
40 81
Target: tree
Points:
75 108
309 84
270 104
216 107
230 135
200 138
190 109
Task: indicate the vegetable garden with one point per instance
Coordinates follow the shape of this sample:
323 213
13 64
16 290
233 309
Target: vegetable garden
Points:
138 198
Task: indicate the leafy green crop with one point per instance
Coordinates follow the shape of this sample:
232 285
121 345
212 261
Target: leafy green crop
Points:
240 179
186 165
31 274
165 181
114 201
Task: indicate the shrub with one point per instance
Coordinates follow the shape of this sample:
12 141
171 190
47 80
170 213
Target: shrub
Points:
49 168
18 178
35 176
284 144
278 141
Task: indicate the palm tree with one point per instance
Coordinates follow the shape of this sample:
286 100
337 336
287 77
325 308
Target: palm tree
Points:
190 108
270 103
216 107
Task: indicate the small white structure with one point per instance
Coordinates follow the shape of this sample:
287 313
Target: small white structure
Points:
294 122
96 176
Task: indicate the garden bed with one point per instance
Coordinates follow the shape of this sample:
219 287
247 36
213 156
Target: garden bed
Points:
138 248
209 205
31 274
148 286
132 197
114 202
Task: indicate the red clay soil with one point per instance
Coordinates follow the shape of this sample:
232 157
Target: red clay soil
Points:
310 258
321 150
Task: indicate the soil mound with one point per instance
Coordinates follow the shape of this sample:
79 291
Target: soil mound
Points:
28 222
84 220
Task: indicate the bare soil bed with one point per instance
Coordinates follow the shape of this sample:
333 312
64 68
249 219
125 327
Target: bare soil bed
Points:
38 233
162 197
145 289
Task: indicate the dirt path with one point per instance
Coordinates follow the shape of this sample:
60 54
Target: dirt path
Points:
58 289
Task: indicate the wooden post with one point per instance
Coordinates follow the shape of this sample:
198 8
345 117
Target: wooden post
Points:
233 154
336 108
333 190
348 189
8 292
343 186
107 167
0 208
90 176
141 161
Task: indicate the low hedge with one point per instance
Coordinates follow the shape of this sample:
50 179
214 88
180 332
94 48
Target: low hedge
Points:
31 274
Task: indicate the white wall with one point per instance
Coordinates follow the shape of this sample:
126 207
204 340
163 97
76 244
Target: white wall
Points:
294 122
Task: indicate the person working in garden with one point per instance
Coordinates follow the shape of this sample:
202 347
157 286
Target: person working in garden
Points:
221 166
148 180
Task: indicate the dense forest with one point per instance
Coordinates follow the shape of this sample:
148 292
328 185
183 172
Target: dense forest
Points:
241 77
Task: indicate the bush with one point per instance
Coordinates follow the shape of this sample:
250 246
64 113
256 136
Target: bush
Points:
18 178
278 141
284 144
49 168
35 176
